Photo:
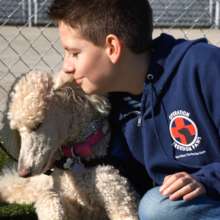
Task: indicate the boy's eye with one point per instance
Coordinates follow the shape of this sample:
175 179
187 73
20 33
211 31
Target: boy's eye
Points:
70 53
75 54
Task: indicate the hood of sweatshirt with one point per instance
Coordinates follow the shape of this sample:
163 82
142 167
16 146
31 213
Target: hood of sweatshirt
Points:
166 55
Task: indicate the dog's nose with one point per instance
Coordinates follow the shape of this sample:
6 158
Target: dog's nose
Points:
24 172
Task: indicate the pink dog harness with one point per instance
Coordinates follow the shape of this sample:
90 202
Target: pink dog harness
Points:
74 153
83 149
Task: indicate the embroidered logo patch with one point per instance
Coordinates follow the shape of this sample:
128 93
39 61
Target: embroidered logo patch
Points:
183 131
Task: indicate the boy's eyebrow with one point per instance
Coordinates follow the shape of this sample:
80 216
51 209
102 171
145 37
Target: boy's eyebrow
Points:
71 48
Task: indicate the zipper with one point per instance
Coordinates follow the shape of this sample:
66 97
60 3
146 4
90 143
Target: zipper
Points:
139 121
139 115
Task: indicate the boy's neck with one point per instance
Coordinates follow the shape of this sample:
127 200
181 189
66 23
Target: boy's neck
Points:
133 71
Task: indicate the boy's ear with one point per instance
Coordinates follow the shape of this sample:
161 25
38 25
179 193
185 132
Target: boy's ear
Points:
113 47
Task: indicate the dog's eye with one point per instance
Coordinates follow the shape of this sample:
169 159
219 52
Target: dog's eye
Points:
36 127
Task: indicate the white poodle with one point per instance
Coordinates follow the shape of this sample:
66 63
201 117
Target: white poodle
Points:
63 122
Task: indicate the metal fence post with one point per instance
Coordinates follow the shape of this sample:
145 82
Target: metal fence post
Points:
217 14
35 11
23 6
29 13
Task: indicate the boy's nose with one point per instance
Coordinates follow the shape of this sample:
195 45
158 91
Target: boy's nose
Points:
68 66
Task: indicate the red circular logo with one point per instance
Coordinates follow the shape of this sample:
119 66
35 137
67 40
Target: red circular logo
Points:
183 130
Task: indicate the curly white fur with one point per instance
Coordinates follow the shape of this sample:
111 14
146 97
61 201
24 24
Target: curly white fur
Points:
47 116
30 100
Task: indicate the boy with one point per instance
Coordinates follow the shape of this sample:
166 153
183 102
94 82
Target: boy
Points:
164 96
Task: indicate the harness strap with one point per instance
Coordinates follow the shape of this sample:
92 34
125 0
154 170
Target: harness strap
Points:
83 149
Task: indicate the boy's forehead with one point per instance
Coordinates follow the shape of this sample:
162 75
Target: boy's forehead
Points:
70 36
67 30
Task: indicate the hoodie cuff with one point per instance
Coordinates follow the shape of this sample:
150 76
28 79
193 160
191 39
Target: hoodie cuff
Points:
210 190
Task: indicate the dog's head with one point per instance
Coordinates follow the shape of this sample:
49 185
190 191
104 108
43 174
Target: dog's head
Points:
46 118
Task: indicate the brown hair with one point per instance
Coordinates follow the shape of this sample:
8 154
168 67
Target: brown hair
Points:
130 20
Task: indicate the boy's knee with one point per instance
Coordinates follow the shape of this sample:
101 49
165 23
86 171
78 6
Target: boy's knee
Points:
149 205
154 206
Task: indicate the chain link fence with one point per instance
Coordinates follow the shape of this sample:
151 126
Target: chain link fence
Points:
28 39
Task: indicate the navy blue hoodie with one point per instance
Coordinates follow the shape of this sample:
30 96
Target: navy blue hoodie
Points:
174 125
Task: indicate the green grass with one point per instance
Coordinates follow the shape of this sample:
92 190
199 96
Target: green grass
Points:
14 211
3 159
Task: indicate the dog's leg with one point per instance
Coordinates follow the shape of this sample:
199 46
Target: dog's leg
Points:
49 206
115 193
37 190
15 189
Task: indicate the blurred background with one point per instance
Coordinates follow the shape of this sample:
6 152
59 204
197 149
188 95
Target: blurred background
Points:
29 40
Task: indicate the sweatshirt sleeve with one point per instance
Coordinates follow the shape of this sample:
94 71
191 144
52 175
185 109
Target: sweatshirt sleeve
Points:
209 176
208 58
209 75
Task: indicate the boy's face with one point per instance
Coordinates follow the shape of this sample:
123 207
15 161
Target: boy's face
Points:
89 65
